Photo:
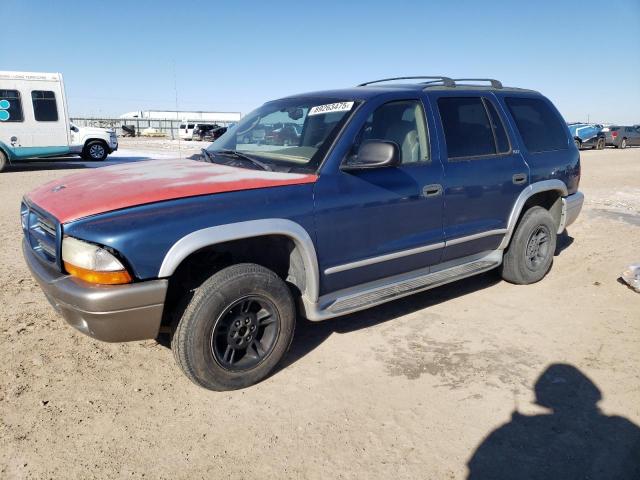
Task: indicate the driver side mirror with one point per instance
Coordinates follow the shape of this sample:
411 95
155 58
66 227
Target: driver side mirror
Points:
374 154
74 129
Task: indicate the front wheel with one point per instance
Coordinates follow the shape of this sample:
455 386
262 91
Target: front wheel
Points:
95 151
530 253
236 329
623 143
601 144
3 161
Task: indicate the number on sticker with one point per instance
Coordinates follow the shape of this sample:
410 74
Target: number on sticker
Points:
330 108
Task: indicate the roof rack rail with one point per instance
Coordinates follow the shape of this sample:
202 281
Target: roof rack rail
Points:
494 83
446 81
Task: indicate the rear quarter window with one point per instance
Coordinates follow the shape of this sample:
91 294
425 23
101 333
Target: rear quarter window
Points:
540 127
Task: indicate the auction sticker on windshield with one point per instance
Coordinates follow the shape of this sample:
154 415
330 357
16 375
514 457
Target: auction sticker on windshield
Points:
330 108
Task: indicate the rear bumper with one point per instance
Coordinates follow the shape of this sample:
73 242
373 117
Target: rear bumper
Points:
571 207
111 313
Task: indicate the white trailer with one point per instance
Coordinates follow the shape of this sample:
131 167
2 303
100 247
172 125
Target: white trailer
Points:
34 121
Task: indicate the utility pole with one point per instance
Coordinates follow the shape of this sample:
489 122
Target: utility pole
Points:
175 87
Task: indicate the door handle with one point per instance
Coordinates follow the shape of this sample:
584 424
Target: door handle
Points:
432 190
519 178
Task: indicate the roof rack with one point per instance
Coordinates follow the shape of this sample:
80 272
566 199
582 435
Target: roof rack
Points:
494 83
446 81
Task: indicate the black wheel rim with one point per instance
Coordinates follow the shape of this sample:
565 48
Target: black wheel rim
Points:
538 247
245 333
96 151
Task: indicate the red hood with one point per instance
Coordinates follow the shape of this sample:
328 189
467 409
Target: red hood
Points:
110 188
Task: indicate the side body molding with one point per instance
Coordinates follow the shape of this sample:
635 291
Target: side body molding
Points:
253 228
543 186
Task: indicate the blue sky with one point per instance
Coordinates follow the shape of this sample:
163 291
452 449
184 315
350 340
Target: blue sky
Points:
119 56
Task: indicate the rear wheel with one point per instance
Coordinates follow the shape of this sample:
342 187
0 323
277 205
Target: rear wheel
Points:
236 329
530 253
578 143
95 150
3 161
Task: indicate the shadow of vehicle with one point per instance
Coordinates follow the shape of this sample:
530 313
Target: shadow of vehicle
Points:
563 242
575 441
67 163
310 335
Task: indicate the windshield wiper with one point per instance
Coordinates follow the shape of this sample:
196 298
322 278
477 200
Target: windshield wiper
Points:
207 155
249 159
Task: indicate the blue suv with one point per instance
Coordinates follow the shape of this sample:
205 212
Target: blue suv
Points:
387 189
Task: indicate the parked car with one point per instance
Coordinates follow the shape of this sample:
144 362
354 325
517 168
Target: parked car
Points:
588 135
215 133
185 131
390 191
34 121
286 135
623 136
201 130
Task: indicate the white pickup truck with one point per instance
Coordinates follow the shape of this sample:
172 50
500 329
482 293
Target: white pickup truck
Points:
34 121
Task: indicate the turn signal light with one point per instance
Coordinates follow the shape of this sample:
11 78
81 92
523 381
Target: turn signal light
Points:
117 277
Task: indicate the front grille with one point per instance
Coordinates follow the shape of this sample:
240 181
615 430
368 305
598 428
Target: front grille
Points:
40 232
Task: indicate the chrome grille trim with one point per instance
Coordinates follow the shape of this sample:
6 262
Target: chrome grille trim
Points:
41 233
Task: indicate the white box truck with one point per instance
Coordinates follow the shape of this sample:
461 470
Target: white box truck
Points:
34 121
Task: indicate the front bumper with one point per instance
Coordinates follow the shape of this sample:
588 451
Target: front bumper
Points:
111 313
571 207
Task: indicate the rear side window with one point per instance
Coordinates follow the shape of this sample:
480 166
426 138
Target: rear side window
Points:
468 130
191 125
10 106
539 126
44 106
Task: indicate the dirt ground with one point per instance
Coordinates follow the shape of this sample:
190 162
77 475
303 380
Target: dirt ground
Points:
410 389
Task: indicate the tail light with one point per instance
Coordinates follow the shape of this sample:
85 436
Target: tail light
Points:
614 134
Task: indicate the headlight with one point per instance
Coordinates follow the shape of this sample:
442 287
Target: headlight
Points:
92 263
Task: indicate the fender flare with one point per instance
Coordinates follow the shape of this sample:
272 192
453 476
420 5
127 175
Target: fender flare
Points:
253 228
537 187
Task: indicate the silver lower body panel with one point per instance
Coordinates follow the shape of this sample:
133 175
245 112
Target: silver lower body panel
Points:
380 291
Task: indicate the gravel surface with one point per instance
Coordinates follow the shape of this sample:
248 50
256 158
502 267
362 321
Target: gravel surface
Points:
410 389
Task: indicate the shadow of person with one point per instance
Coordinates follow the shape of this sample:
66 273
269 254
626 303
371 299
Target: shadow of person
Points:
575 441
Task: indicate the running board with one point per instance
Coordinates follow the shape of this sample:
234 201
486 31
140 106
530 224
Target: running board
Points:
381 291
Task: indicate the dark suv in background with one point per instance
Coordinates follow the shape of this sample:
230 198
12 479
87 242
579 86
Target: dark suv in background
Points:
623 136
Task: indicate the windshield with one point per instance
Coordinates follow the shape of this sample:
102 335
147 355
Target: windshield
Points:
289 135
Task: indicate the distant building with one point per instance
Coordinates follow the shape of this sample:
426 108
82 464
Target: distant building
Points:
221 117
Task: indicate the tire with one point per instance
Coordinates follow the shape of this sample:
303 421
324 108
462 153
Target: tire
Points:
530 253
213 342
95 151
578 143
623 143
3 161
601 144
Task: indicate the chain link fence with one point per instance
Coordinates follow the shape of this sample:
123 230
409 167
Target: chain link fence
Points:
169 128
